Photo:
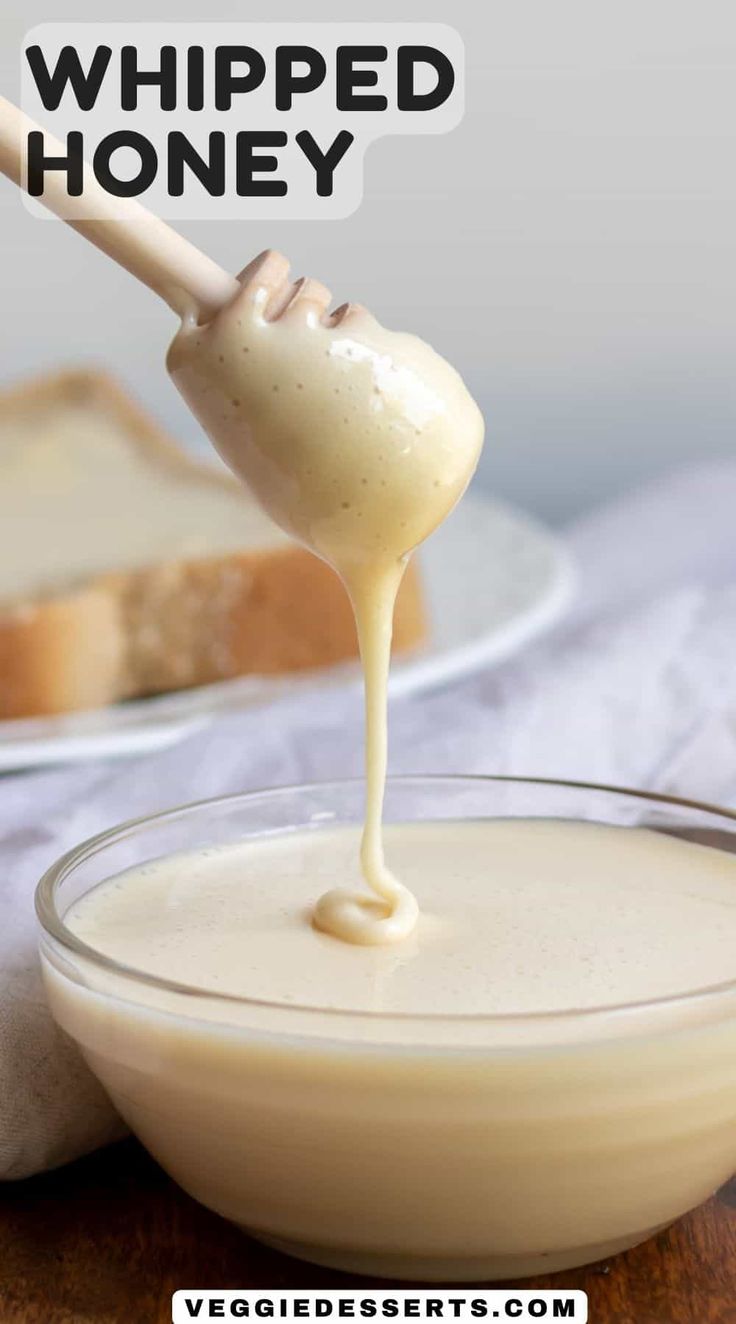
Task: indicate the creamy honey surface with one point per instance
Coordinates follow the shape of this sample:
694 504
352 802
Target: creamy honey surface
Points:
515 916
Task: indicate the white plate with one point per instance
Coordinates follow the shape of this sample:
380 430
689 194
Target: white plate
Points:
494 579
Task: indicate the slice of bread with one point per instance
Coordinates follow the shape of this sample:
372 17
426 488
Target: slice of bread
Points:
127 568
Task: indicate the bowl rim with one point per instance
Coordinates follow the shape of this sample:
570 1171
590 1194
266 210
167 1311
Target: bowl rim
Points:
54 928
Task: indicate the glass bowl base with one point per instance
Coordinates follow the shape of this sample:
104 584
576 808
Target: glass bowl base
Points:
452 1269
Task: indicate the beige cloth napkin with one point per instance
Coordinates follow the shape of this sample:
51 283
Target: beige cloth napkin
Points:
637 686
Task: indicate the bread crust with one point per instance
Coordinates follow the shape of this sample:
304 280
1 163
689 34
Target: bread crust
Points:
178 623
60 655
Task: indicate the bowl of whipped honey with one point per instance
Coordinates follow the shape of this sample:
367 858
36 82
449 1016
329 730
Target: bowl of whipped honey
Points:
539 1074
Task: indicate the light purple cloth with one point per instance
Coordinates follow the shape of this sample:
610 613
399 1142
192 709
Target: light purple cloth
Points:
636 687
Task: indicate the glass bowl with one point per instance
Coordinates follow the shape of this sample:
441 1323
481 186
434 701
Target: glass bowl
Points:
430 1147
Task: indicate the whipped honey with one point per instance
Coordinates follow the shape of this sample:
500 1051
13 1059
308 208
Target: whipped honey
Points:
358 441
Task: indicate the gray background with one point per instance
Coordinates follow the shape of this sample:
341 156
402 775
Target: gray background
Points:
571 247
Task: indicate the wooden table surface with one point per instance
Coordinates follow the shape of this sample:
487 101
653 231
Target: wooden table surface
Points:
109 1239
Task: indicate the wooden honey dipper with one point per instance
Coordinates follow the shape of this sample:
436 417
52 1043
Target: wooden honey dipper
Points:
187 279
